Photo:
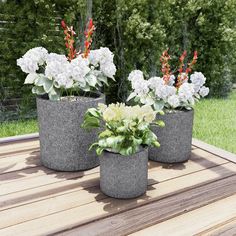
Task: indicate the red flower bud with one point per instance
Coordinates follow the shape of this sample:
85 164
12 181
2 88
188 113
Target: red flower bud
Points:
90 23
63 24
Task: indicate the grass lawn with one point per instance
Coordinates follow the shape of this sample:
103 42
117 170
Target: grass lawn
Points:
12 128
214 123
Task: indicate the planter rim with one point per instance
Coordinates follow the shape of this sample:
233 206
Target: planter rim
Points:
100 95
142 148
176 111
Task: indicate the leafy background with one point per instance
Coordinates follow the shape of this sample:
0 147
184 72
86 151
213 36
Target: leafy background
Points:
137 31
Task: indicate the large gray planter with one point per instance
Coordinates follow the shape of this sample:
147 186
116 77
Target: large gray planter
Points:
124 176
175 138
63 143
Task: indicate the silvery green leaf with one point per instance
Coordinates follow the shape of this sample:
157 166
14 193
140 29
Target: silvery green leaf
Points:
158 106
45 82
39 90
103 79
132 95
92 80
86 88
54 97
53 94
30 79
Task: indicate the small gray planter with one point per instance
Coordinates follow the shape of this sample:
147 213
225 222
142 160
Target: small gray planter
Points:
124 176
63 143
175 138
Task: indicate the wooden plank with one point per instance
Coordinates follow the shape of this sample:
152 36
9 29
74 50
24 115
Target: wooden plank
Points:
19 175
153 213
20 153
23 218
215 150
17 147
196 221
35 187
196 163
48 179
226 228
19 162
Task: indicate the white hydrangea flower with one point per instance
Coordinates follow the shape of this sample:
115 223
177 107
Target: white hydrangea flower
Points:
106 56
186 92
165 91
32 59
135 75
155 83
173 101
54 68
198 79
38 54
204 91
172 80
140 86
108 69
79 68
56 57
27 65
62 80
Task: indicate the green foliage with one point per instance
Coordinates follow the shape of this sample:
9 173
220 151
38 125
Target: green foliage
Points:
24 25
121 135
137 31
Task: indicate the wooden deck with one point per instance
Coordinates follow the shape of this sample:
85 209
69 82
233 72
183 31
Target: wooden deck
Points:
197 197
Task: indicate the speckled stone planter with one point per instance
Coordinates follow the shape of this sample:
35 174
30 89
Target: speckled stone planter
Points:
175 138
63 143
124 176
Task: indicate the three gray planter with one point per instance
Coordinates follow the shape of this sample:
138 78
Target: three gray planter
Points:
63 143
175 138
124 176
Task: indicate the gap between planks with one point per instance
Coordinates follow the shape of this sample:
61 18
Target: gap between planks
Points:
94 209
162 210
199 222
32 186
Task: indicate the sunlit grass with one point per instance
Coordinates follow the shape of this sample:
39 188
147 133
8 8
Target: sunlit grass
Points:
215 122
11 128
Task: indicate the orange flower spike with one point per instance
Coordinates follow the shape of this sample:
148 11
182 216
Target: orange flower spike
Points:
181 59
88 35
69 40
192 63
165 68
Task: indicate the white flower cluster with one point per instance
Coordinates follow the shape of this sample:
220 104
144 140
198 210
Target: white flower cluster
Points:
32 59
52 72
160 94
119 112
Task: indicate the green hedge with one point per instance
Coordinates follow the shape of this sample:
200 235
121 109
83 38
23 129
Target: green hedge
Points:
137 31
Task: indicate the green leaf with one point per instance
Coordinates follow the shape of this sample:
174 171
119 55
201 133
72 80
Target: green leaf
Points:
92 80
99 151
94 112
131 96
30 79
38 90
160 123
103 79
92 146
45 82
90 122
105 134
158 106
